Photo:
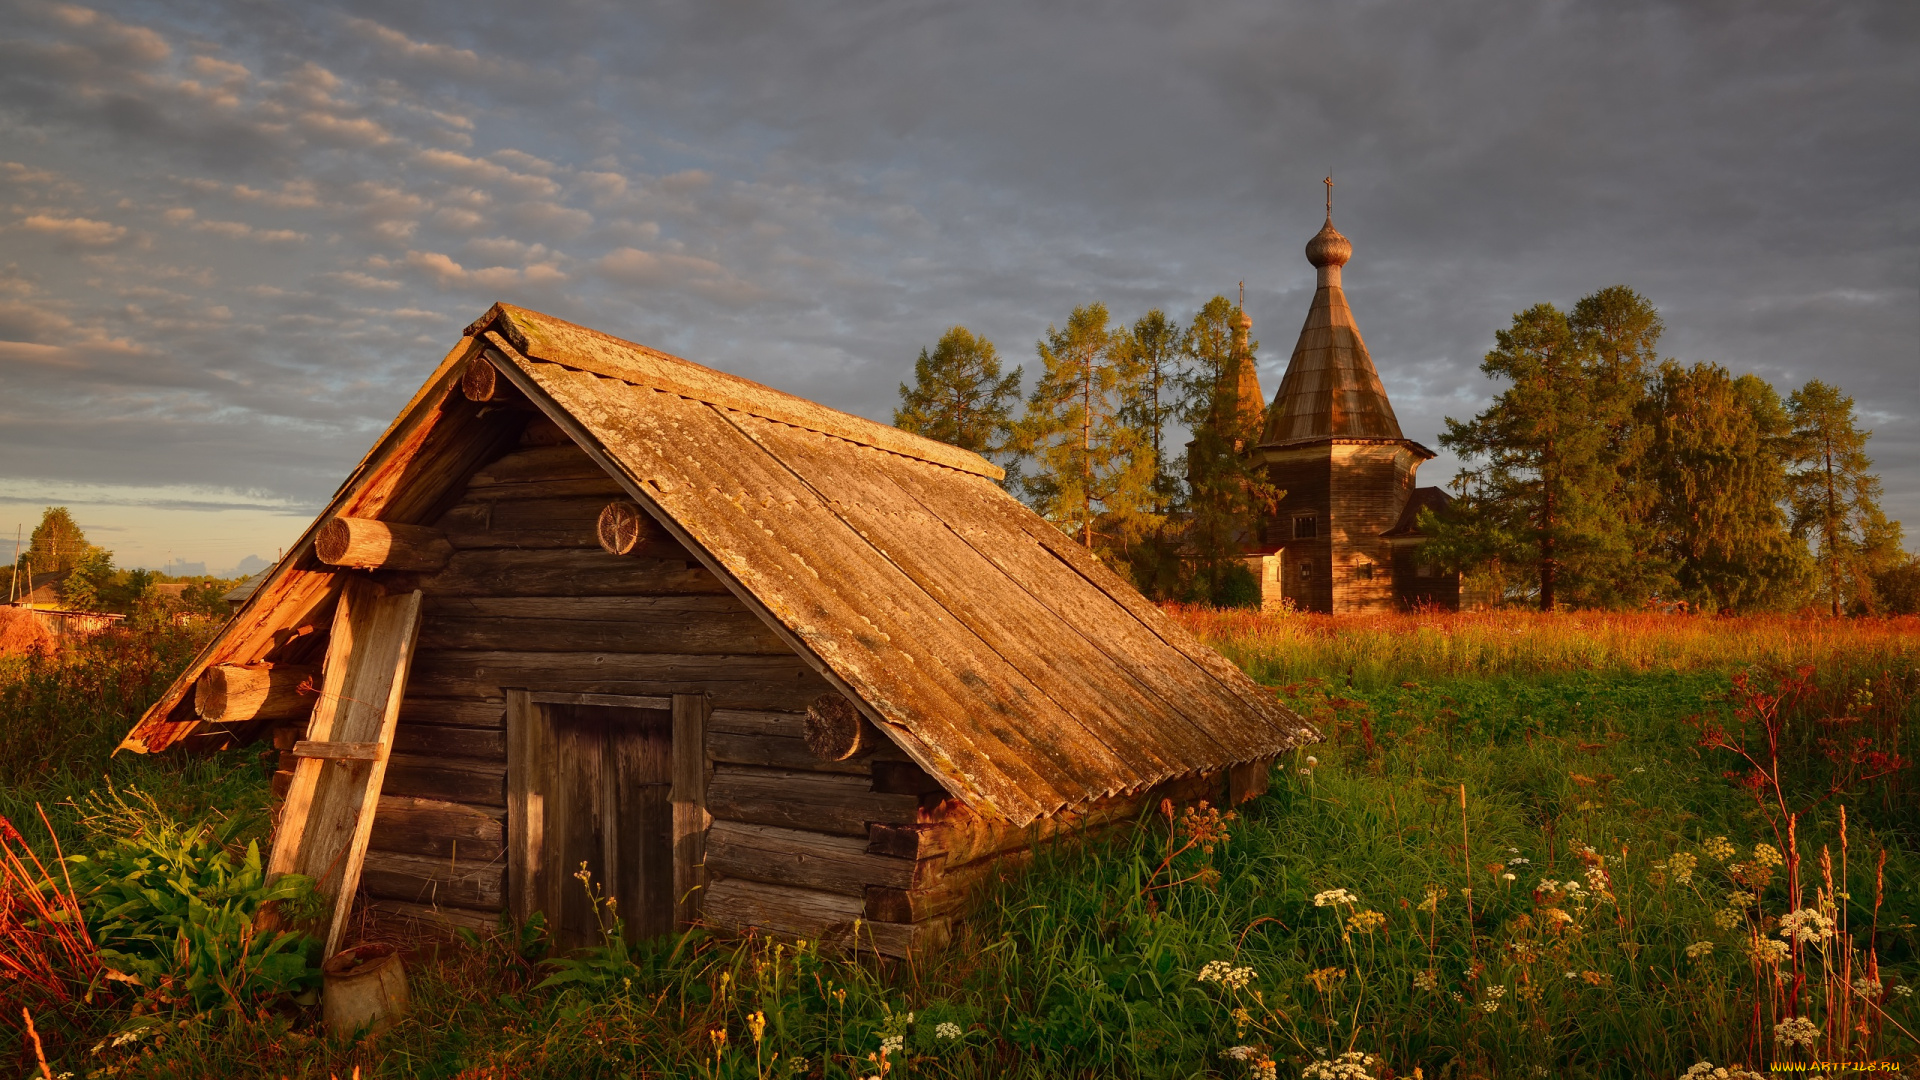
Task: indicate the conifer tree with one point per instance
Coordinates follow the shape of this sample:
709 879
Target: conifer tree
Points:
1154 396
1554 446
960 396
1835 500
1092 470
1718 483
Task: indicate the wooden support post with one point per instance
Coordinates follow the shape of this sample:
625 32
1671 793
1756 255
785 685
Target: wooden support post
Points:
529 744
237 693
689 798
366 544
328 815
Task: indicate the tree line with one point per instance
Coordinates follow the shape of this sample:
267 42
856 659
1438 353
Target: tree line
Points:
1601 476
63 564
1092 446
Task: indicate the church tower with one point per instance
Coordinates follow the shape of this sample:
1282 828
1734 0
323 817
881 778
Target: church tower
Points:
1345 528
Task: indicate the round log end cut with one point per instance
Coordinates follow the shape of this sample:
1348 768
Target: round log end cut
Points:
481 380
621 527
835 729
332 543
210 696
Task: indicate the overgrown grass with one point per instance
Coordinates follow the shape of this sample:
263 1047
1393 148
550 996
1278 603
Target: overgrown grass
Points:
1575 754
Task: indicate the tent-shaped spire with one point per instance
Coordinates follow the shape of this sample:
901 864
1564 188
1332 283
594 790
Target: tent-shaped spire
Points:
1330 390
1249 404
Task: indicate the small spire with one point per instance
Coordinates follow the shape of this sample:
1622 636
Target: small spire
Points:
1329 182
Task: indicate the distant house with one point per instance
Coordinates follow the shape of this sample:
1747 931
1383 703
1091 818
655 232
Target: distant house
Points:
753 661
42 590
239 594
175 590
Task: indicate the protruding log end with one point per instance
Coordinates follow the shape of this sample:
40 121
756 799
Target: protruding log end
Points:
622 527
236 693
835 729
481 381
366 544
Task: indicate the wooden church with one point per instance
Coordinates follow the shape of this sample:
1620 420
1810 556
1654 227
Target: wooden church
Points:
755 663
1345 537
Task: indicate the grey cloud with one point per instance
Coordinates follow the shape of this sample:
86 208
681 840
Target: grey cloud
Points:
809 195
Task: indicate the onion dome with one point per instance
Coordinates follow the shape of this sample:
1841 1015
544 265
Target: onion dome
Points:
1328 247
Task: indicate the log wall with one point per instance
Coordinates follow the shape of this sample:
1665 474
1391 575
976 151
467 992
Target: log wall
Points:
795 846
529 599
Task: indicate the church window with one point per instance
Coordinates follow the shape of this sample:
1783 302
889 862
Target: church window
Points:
1306 567
1306 527
1364 571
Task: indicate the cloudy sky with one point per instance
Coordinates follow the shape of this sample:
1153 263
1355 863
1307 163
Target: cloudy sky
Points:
235 235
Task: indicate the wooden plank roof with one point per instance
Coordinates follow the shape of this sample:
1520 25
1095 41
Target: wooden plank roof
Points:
1006 660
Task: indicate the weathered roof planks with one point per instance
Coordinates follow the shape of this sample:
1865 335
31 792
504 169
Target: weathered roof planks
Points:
1005 660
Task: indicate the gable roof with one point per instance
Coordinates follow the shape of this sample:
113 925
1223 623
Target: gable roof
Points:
1007 661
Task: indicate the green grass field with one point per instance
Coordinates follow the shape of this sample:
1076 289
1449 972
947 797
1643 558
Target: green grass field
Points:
1529 846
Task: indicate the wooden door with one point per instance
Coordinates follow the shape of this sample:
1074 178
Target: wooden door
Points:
597 780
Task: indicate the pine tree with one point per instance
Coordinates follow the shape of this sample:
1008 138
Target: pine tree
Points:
1835 500
1717 479
1157 345
959 395
1555 446
1093 470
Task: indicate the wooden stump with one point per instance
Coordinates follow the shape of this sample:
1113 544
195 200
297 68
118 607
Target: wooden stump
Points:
835 729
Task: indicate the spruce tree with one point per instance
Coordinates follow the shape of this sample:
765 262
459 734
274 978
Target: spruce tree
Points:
1835 500
1092 469
960 396
1554 448
1717 476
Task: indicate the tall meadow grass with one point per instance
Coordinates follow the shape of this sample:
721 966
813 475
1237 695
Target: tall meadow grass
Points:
1584 846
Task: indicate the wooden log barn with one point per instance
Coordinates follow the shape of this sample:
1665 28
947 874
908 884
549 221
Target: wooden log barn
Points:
753 661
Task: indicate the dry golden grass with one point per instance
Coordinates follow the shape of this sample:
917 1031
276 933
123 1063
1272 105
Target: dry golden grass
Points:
1385 649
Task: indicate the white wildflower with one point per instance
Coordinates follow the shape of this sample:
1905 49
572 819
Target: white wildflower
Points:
1334 896
1224 973
1903 990
1352 1065
892 1044
1768 951
947 1030
1508 877
1705 1070
1425 980
1866 988
1807 924
1700 950
1796 1031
